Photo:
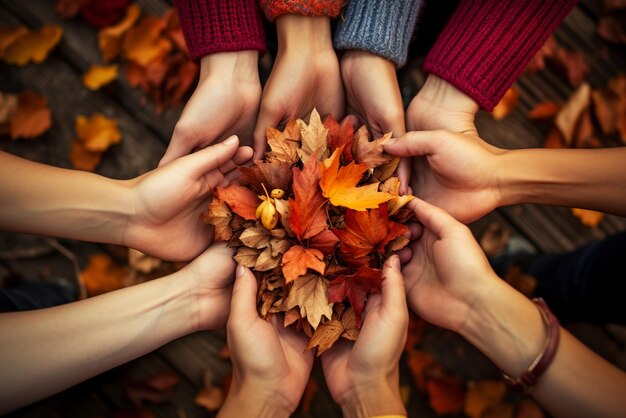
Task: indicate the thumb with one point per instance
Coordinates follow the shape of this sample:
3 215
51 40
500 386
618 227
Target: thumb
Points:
208 159
243 304
436 219
414 143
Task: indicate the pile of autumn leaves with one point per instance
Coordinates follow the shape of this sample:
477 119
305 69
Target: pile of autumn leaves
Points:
315 221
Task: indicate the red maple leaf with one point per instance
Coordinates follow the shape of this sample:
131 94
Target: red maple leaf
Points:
355 288
241 200
339 136
308 207
367 231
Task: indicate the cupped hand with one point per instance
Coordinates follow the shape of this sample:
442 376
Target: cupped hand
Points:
449 273
271 366
363 376
225 103
456 172
305 76
168 201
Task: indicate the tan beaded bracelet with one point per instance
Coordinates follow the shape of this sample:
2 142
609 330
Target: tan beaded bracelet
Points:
530 377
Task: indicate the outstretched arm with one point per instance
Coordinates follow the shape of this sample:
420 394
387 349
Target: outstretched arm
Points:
48 350
157 213
449 283
466 176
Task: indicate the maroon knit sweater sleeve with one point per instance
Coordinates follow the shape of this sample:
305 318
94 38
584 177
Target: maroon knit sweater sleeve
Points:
487 43
220 26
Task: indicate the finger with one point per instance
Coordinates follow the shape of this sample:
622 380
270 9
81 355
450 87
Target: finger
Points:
404 175
243 304
414 143
405 255
415 231
177 147
266 119
205 160
393 295
242 155
354 120
436 219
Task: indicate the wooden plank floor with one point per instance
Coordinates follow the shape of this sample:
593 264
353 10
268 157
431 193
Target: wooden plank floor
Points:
549 229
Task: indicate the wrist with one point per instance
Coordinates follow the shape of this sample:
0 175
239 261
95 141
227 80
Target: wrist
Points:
438 92
255 400
506 326
304 34
239 66
380 397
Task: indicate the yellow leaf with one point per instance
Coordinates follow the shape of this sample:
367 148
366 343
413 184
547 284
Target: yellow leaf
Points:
33 46
339 184
110 38
98 132
99 75
145 43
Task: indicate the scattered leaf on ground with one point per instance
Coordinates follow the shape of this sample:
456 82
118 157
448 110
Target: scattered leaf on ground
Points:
110 38
589 218
98 76
97 133
506 105
31 118
103 275
33 46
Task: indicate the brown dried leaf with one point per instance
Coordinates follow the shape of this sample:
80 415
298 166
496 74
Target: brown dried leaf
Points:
350 329
218 215
284 145
325 336
369 152
267 261
247 257
554 139
314 138
257 237
310 293
606 106
385 171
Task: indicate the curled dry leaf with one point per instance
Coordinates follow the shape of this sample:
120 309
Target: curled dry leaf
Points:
33 46
99 75
31 118
110 38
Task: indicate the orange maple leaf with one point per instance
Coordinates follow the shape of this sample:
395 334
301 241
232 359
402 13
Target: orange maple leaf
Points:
33 46
241 200
339 135
339 184
298 259
144 43
368 231
32 117
308 213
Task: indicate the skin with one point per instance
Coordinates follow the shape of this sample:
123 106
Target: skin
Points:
225 102
270 365
156 213
305 75
363 377
48 350
449 282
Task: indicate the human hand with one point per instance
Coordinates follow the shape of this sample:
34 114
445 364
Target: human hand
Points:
449 273
225 103
457 172
363 377
305 76
373 95
167 202
270 365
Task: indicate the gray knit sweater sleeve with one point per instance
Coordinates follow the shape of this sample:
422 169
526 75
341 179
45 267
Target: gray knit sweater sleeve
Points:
382 27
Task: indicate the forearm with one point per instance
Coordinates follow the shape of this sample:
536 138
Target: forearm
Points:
296 32
591 179
374 399
509 330
41 199
48 350
253 402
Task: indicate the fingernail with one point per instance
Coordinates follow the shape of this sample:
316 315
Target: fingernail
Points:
391 141
395 262
231 140
240 270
